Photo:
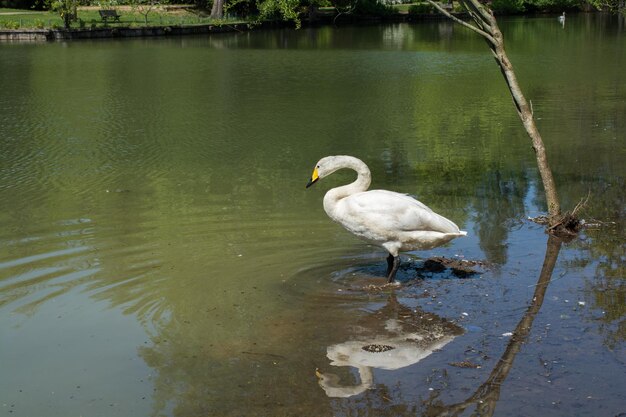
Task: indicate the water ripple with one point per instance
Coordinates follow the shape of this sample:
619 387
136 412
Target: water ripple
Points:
42 256
76 255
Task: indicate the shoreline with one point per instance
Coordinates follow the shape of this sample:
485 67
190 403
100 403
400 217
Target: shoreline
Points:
117 32
120 32
44 35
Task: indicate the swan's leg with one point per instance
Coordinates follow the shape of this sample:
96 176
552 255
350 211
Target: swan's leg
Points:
389 263
393 262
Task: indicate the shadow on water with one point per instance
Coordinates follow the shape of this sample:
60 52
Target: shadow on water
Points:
394 336
486 396
367 272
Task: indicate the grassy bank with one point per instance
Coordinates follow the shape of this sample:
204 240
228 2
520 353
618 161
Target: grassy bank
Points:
88 17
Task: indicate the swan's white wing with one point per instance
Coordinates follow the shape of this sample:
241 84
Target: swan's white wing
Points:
386 211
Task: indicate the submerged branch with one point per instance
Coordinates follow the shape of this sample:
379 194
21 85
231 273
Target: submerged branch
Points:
569 224
487 394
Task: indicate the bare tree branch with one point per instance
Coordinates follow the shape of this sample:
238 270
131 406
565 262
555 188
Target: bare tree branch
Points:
487 27
485 14
457 20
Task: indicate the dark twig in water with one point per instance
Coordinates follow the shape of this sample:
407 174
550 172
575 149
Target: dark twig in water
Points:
569 224
597 224
580 206
465 364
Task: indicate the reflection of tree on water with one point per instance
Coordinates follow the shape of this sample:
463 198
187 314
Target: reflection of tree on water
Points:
391 338
486 396
498 190
603 246
500 199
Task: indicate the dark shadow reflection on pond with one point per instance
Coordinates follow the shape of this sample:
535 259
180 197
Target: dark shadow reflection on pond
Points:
486 396
396 336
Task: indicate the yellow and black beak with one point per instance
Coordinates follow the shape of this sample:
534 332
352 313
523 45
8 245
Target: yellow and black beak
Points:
314 177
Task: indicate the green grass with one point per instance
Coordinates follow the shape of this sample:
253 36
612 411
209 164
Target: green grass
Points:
91 19
30 19
22 11
27 19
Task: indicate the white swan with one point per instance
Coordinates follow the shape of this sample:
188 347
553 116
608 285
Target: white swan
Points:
562 18
395 221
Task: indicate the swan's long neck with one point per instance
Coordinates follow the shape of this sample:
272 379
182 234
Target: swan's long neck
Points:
362 182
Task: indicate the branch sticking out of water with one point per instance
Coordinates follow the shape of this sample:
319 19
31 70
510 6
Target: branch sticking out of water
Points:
568 224
485 24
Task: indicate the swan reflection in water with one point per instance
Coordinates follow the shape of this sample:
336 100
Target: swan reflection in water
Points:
391 338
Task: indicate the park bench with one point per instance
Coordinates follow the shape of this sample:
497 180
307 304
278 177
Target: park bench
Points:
109 14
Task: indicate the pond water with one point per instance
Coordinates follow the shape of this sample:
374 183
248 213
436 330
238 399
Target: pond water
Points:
160 256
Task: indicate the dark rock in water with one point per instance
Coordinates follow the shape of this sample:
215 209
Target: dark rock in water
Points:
459 268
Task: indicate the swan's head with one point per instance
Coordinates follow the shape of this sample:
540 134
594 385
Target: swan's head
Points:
330 164
330 383
324 167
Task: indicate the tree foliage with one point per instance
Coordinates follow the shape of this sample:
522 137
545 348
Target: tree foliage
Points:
65 8
609 5
372 8
551 5
532 6
288 10
294 10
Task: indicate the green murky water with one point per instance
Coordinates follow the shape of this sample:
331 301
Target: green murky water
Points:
159 254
